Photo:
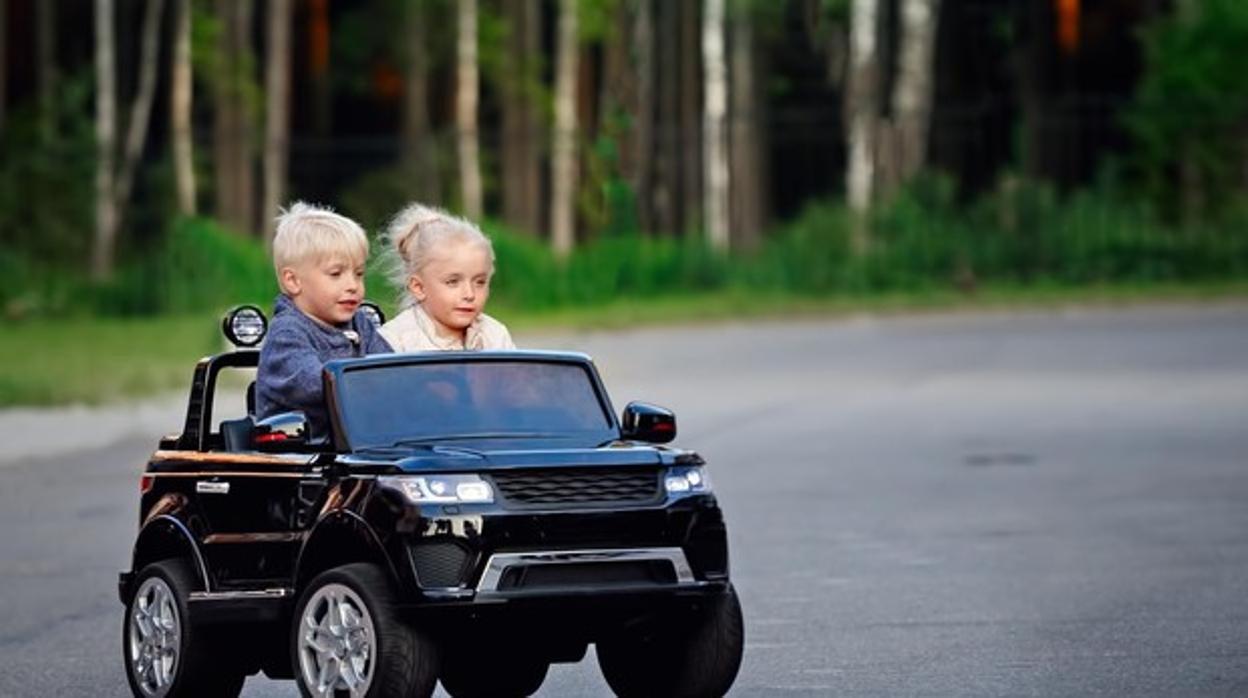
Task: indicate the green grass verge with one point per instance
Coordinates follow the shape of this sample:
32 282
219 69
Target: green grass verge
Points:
94 360
97 360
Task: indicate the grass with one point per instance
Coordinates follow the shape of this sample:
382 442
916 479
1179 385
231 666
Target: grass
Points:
97 360
94 360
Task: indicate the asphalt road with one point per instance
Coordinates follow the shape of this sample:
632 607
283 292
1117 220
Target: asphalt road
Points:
1045 504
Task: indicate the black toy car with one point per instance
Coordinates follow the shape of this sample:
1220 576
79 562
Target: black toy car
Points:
474 517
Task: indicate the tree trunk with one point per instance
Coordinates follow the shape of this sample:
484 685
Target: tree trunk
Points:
912 91
45 66
318 60
467 87
4 65
691 117
276 113
644 143
1191 177
180 109
232 128
141 107
617 92
715 144
748 174
180 87
420 161
105 140
668 142
861 107
1031 64
563 195
520 137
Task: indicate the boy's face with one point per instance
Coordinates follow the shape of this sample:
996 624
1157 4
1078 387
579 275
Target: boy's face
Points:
328 289
454 286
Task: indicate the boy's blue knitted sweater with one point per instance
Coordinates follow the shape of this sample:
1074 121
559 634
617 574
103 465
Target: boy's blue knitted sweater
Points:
295 350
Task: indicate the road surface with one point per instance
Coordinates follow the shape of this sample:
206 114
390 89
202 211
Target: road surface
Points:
1045 503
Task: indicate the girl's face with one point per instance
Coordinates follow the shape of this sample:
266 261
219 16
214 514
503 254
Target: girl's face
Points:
454 285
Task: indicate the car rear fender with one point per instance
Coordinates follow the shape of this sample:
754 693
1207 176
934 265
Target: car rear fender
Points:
164 537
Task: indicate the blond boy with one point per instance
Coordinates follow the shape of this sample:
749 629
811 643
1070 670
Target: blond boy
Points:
319 257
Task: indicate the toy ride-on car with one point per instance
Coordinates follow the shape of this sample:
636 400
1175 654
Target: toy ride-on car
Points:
471 518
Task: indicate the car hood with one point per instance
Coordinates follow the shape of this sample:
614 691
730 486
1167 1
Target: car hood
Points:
450 458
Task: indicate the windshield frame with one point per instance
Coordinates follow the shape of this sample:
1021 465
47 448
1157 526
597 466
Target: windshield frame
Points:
336 371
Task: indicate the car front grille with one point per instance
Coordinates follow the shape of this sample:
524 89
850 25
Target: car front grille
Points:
578 487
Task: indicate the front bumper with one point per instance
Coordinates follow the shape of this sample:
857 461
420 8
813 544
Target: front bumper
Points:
490 554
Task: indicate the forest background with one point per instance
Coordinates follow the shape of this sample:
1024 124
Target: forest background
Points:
632 159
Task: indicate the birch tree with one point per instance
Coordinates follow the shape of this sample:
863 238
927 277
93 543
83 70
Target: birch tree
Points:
467 88
715 146
105 140
912 90
141 107
276 113
563 186
180 96
113 189
861 110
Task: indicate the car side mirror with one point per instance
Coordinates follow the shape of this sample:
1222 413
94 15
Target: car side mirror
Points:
645 422
281 432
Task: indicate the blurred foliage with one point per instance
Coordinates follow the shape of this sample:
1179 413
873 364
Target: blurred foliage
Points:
1023 233
49 162
1191 106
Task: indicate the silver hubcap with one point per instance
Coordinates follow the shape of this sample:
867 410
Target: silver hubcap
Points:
154 637
337 642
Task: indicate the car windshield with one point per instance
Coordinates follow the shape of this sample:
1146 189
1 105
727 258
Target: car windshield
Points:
398 405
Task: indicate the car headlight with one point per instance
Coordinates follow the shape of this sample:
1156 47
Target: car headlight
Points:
687 480
441 489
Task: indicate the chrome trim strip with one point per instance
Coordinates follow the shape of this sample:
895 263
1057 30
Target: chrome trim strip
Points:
258 594
501 562
236 474
277 537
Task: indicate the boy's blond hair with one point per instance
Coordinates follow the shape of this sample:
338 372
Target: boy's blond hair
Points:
305 231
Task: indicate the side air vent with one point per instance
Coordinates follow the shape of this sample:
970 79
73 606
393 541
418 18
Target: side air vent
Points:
439 563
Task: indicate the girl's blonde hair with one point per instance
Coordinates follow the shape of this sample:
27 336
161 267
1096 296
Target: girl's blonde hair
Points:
305 231
413 236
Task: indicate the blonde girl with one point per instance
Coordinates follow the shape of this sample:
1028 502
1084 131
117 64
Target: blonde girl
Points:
444 265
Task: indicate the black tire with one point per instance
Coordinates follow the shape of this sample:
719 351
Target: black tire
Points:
399 662
698 657
493 673
191 666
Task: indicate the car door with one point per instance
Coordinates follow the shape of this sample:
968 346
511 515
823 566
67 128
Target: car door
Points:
256 510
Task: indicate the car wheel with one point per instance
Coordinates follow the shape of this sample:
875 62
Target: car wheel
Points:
164 654
675 659
504 673
348 640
